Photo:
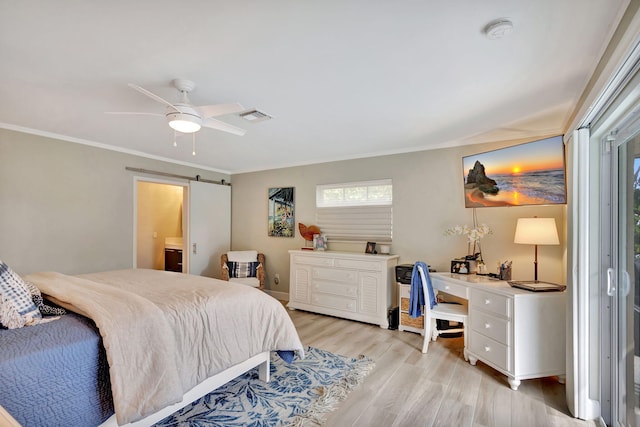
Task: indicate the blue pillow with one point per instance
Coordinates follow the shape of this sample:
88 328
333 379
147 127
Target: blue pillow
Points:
242 269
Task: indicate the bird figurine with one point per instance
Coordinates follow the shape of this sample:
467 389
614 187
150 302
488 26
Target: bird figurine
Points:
308 232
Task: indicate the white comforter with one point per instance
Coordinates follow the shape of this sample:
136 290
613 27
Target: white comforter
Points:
166 332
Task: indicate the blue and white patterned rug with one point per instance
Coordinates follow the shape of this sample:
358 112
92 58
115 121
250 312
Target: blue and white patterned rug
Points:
300 393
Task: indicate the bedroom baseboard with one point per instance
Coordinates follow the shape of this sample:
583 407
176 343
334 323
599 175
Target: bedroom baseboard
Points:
280 296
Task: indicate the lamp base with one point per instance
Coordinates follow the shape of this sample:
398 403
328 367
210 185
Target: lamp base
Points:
536 285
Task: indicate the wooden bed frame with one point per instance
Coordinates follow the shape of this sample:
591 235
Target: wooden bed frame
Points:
261 360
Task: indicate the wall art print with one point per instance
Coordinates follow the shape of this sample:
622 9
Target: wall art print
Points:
532 173
281 212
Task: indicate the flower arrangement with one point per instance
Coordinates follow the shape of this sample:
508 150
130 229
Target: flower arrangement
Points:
473 237
473 234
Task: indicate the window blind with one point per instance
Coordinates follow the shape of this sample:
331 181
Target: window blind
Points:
356 211
356 223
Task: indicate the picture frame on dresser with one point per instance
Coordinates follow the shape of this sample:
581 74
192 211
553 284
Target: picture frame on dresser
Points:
319 242
370 248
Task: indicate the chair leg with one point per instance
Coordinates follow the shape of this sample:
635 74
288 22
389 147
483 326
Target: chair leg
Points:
427 332
425 343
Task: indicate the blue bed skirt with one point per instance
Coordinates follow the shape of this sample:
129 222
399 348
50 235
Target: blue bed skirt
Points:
55 374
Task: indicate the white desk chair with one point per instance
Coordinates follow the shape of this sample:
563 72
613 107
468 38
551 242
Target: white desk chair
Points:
450 312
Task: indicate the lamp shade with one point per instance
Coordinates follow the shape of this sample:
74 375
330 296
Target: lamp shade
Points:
536 231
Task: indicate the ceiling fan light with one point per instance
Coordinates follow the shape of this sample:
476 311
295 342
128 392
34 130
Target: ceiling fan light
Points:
184 123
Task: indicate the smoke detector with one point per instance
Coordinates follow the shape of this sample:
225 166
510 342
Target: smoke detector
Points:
498 29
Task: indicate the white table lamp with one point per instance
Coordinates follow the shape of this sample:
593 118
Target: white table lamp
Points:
536 231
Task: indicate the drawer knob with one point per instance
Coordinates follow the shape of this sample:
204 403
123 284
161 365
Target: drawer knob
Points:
487 348
487 325
447 287
487 301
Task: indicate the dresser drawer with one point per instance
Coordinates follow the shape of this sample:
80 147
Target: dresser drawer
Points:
358 264
491 326
345 276
334 288
489 350
335 302
488 301
310 260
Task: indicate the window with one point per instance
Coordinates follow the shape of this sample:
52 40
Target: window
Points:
356 211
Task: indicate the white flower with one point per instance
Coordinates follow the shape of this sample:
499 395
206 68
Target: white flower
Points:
473 234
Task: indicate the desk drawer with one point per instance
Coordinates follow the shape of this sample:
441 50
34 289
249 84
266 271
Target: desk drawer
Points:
451 288
491 326
488 301
489 350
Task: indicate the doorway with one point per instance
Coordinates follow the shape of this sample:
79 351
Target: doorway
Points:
193 216
622 280
160 225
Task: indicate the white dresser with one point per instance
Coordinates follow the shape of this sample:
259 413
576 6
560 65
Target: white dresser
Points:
343 284
517 332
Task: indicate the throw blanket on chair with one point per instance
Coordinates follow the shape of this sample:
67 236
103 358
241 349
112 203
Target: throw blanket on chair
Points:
416 297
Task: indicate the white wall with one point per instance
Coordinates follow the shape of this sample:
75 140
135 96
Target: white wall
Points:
69 207
428 198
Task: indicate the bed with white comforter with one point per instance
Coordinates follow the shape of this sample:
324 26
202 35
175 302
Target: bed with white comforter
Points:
166 332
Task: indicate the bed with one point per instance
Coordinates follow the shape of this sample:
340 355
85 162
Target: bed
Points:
169 338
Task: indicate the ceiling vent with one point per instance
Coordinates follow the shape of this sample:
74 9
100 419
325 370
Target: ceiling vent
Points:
255 116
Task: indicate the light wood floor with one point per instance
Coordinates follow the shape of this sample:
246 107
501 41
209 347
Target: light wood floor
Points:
407 388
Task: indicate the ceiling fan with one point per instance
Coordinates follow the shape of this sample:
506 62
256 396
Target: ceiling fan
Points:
187 118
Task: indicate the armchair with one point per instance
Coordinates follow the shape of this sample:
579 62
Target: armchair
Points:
246 267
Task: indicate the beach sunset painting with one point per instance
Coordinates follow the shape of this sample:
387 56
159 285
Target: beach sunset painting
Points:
527 174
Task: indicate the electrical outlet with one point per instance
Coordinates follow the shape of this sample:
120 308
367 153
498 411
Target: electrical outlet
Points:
276 278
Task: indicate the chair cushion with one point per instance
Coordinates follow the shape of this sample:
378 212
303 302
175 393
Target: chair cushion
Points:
249 281
243 269
242 256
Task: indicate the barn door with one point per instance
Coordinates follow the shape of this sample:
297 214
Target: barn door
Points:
209 227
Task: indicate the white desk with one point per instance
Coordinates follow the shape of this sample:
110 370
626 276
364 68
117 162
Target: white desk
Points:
517 332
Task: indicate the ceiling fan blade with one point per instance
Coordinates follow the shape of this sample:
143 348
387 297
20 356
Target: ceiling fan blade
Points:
137 113
153 96
219 109
217 124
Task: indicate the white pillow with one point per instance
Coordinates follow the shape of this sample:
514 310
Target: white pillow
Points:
16 305
242 256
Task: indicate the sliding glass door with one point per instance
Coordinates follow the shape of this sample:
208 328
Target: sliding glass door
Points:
623 276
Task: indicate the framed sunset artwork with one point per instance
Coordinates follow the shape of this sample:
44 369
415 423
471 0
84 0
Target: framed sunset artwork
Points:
522 175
